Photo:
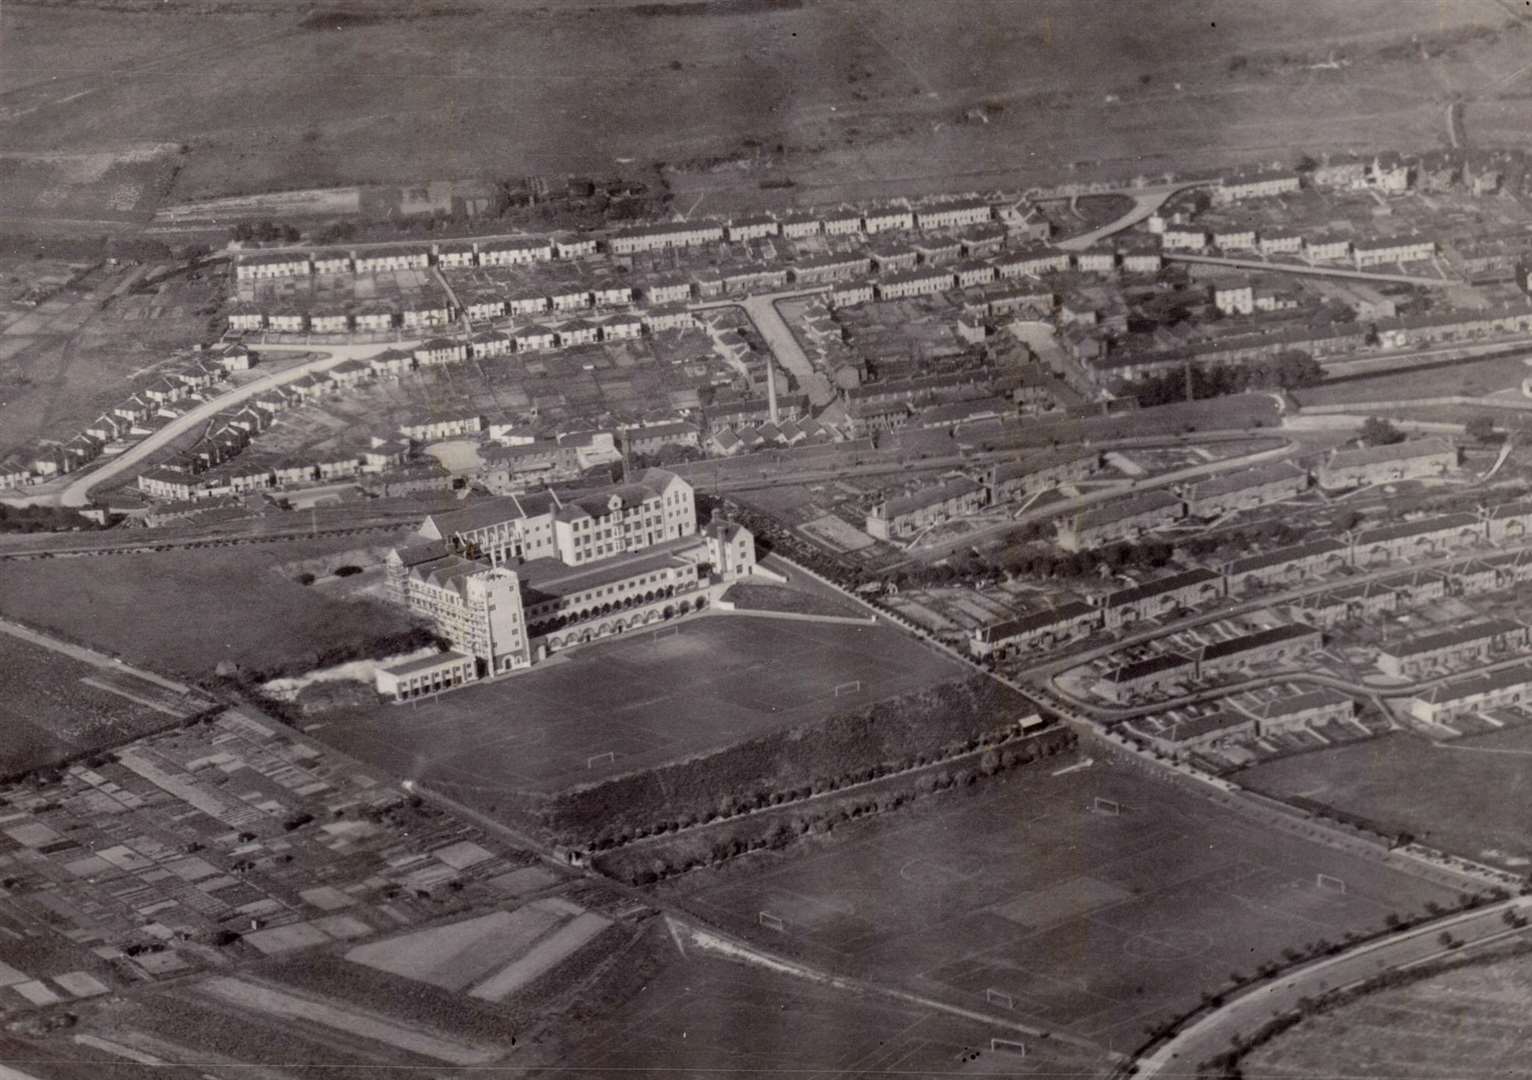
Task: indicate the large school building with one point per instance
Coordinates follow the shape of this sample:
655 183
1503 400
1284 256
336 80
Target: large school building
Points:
514 580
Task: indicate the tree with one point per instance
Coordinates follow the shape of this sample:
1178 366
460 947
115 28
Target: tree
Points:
1379 432
1481 428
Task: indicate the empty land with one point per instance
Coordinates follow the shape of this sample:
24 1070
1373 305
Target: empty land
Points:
185 611
1466 796
644 700
1080 918
1472 1021
866 96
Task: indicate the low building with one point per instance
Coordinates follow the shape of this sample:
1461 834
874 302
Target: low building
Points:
755 228
169 484
1153 675
889 219
1120 519
852 293
439 352
1279 242
1256 186
1327 248
1013 480
1423 538
661 237
953 215
924 282
1409 460
1184 238
1274 644
907 515
1299 712
276 264
669 290
435 428
514 252
420 678
1394 250
382 260
1509 687
1473 643
1160 597
1039 630
1234 297
1246 489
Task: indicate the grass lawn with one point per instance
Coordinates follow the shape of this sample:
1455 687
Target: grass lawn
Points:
184 611
1468 1022
643 700
1467 796
1467 377
48 713
750 596
1083 919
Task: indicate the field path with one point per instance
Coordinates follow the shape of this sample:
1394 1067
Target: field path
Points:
89 656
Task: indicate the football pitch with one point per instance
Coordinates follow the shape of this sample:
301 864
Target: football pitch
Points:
636 702
1024 899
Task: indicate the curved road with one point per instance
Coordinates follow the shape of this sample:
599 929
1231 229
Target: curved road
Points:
77 492
1211 1034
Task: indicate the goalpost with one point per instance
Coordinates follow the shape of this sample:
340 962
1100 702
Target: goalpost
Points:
664 632
772 922
999 997
1009 1046
606 757
1109 807
852 687
1327 883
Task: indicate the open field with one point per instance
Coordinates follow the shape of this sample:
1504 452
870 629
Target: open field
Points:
1078 916
186 611
862 96
49 711
1466 1022
1464 796
719 681
1465 377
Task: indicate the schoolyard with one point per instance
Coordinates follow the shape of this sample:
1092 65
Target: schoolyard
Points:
635 702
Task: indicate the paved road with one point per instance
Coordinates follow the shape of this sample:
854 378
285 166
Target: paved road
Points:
1305 270
1144 203
784 346
1212 1034
77 492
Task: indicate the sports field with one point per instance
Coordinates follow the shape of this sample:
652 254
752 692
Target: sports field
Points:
1021 899
634 703
1467 796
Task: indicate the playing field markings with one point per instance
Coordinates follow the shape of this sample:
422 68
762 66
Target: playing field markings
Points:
664 632
1000 997
852 687
772 922
606 757
1109 807
1009 1046
1329 883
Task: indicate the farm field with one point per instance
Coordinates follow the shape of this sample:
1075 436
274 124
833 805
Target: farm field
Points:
866 95
634 703
1460 796
1470 1021
49 711
1077 918
185 611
